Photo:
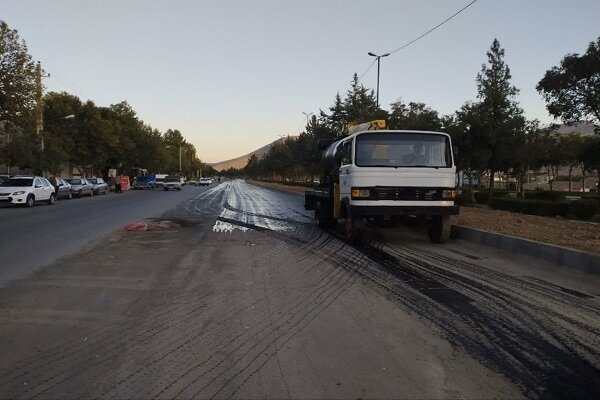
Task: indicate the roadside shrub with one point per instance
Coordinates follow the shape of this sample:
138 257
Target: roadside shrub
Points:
481 197
465 198
583 209
547 195
527 206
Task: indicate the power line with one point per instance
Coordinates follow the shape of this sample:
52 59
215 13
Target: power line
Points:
367 70
435 27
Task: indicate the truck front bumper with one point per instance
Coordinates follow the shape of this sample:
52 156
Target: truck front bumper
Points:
378 211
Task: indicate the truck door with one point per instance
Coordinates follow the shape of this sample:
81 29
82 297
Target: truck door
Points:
346 169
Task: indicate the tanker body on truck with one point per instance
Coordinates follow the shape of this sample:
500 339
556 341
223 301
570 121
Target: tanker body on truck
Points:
379 176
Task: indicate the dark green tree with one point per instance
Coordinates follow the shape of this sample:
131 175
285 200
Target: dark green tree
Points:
415 116
19 143
58 131
590 155
17 78
572 90
501 119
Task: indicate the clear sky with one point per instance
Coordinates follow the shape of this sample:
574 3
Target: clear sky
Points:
233 76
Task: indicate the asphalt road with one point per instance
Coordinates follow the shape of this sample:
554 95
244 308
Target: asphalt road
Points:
237 294
35 237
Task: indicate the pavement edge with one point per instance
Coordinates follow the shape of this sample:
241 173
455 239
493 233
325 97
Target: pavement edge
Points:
558 255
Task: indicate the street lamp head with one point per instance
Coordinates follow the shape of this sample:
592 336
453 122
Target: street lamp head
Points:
372 54
70 116
386 54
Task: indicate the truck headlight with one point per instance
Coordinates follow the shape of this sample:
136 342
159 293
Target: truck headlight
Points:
361 193
18 193
449 194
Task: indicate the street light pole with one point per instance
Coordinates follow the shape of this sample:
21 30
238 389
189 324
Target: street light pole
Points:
378 62
307 116
180 158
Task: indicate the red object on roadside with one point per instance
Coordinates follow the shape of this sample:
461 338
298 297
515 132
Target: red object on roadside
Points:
124 183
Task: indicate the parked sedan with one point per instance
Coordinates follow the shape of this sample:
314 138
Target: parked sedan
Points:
26 190
98 185
80 187
62 188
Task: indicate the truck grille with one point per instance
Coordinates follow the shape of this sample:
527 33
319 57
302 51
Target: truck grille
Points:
406 193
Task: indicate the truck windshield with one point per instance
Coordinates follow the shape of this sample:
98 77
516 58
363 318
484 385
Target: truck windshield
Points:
403 150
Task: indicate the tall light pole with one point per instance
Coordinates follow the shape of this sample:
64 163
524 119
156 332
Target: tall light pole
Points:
180 158
378 62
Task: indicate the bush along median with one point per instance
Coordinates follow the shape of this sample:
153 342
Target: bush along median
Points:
583 209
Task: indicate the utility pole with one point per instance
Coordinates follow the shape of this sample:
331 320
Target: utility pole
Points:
180 158
39 107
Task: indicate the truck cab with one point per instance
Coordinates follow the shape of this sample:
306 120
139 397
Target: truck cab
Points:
379 175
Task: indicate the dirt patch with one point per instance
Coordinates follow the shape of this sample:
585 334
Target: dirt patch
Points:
584 236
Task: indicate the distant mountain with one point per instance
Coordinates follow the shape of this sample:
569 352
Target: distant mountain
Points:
241 162
583 128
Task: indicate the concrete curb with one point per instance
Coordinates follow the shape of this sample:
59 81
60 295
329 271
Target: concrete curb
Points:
563 256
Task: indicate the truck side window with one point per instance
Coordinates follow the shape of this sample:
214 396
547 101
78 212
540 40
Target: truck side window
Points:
347 153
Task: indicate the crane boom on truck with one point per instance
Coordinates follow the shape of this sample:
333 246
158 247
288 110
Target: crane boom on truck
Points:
379 175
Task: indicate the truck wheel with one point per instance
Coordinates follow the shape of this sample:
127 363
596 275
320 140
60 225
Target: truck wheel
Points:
354 232
323 217
439 231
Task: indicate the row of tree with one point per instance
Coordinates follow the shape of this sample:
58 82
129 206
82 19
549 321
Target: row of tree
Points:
491 133
84 136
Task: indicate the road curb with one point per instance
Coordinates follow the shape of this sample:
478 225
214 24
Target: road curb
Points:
562 256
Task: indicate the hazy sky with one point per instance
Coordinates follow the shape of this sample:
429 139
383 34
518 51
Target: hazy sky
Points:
234 75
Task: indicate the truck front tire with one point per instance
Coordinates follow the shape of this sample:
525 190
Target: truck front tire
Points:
353 227
439 230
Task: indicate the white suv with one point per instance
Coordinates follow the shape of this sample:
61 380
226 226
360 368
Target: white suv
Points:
26 190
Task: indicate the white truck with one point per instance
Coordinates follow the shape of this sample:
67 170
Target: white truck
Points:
379 175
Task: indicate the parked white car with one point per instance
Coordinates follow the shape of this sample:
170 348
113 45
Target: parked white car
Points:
26 190
172 184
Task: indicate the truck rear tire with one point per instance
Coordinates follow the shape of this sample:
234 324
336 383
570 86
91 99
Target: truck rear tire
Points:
322 216
439 230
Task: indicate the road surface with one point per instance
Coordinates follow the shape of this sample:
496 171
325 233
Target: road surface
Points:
236 294
35 237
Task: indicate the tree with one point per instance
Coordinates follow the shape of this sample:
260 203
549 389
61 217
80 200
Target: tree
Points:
570 146
415 116
501 119
572 90
590 154
58 132
17 78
